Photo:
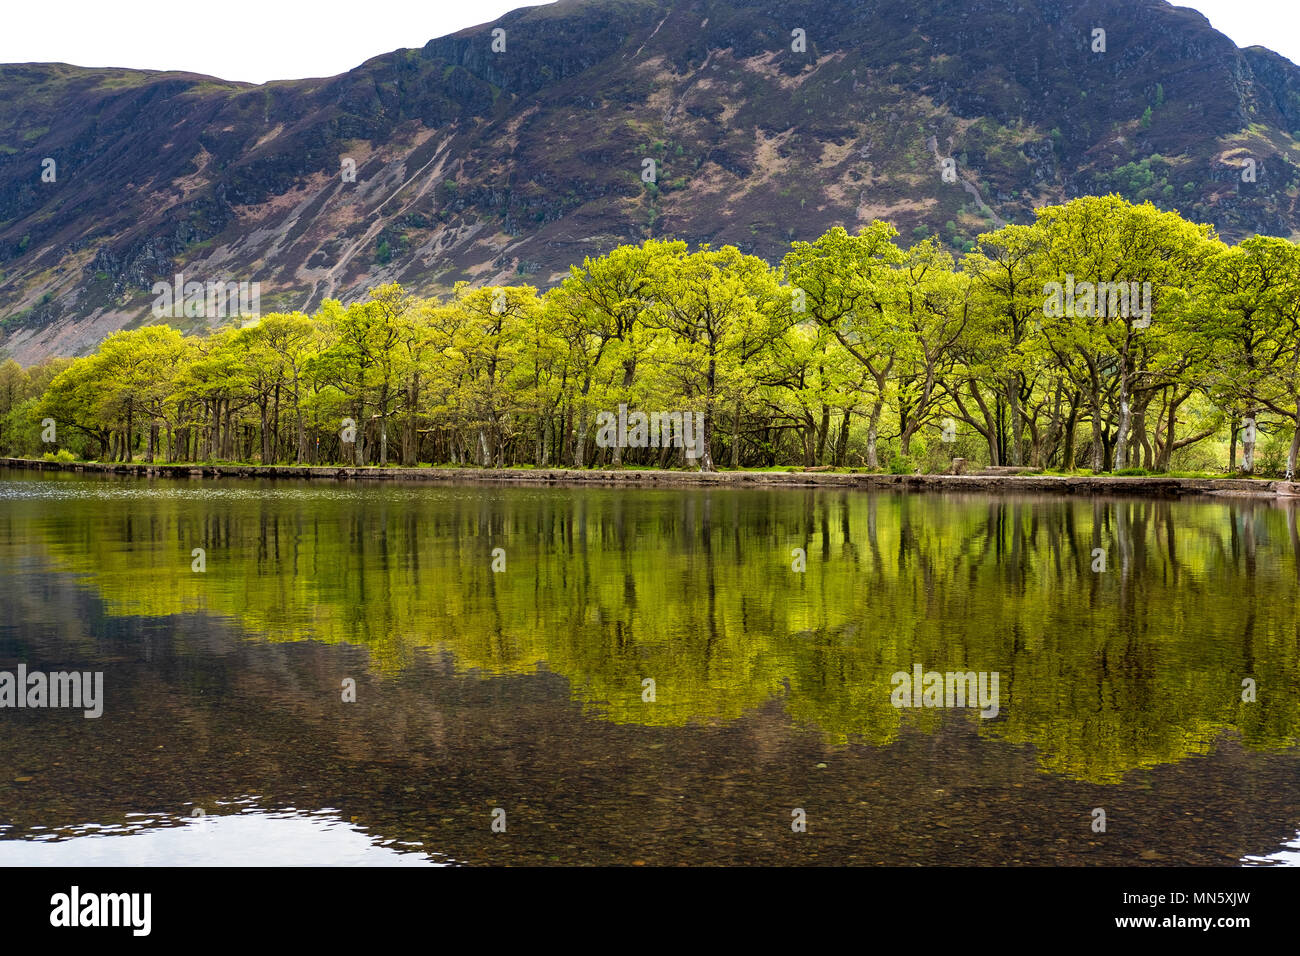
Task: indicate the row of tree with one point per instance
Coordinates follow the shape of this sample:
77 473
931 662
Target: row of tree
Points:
855 350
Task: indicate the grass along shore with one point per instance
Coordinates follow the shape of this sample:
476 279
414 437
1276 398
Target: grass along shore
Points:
796 477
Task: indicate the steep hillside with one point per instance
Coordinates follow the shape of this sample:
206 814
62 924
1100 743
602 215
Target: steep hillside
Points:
508 166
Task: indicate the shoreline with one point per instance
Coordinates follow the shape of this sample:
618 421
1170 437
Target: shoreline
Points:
1150 486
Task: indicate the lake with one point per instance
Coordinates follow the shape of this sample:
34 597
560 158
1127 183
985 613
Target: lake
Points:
426 674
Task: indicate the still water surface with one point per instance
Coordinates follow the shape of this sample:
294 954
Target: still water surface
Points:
225 737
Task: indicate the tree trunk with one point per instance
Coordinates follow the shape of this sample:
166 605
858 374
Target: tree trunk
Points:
1015 453
873 436
1071 423
264 410
359 439
1248 442
823 433
842 442
735 436
1295 447
1125 422
1098 453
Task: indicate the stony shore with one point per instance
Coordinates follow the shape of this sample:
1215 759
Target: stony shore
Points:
1003 483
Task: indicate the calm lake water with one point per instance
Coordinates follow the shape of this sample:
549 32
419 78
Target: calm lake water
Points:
519 695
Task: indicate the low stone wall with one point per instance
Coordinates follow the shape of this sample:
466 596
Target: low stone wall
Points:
1019 484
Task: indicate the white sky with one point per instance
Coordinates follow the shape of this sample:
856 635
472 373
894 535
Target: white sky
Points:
260 40
250 40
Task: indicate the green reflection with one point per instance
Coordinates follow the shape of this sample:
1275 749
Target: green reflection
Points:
1101 672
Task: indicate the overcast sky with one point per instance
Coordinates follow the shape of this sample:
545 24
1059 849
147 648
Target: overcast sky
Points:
260 40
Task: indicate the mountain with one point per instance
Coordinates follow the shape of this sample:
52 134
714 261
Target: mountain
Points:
505 167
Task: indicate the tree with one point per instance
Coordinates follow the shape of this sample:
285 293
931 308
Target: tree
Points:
846 284
719 308
1248 302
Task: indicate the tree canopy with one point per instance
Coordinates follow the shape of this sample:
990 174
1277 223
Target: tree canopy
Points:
1105 336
